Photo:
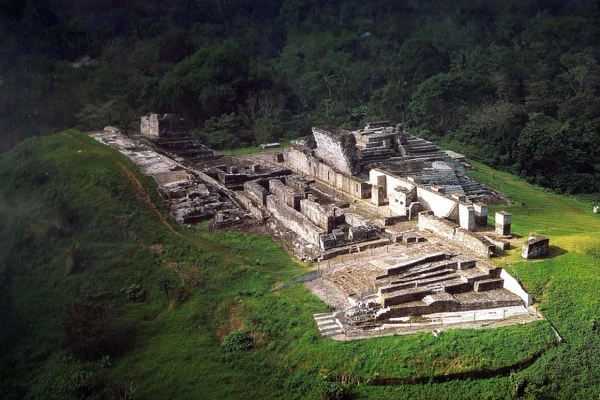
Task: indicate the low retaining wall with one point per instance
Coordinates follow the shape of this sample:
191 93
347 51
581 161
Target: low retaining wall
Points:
451 231
294 220
285 194
318 214
513 285
249 205
256 192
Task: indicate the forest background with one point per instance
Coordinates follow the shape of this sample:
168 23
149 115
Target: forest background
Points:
512 83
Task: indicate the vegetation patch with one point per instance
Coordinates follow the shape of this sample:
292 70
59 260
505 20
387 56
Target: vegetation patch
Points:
194 280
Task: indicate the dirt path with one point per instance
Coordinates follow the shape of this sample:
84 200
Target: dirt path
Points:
146 198
209 247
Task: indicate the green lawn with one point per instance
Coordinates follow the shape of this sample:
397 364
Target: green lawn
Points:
283 144
67 190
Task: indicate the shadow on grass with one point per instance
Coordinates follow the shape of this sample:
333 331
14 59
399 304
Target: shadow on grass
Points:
555 251
501 253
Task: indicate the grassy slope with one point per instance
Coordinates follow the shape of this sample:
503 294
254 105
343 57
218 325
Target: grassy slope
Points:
91 196
257 149
565 285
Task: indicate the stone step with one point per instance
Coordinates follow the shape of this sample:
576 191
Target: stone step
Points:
328 324
332 333
324 315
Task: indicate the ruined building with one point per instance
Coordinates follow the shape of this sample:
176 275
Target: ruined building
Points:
388 187
403 230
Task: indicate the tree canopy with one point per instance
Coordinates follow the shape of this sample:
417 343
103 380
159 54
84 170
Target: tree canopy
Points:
502 77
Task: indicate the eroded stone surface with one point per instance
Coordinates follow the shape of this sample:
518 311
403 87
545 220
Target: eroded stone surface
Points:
351 201
536 246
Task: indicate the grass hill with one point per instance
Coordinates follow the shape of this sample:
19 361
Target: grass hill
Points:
103 296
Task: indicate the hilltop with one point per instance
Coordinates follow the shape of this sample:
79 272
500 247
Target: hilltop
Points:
89 255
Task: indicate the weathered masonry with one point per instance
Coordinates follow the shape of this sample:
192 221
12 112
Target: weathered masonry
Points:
536 246
401 175
324 227
309 164
168 134
403 230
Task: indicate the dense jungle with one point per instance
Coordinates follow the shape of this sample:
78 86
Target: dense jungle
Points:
514 84
104 296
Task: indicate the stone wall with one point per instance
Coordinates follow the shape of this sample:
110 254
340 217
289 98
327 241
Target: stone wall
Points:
294 220
443 206
234 177
391 182
149 125
421 308
512 285
337 148
441 226
363 232
400 199
256 192
312 166
318 214
285 194
355 219
472 242
488 284
406 265
256 211
298 184
451 231
406 295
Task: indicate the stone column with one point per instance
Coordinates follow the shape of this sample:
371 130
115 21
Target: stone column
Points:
503 223
481 214
466 216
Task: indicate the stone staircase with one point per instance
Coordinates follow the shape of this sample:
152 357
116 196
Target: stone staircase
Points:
328 324
427 277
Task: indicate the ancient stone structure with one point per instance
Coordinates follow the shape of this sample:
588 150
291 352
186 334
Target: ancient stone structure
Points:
503 223
168 125
168 134
456 234
379 190
189 196
389 178
417 280
294 207
536 246
303 160
337 146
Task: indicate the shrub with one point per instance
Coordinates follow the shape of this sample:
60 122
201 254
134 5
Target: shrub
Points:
332 391
135 293
237 340
92 329
73 259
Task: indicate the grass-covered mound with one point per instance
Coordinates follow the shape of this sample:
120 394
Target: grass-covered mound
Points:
102 296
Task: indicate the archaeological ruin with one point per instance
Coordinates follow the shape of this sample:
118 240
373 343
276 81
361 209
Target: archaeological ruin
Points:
535 246
400 234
